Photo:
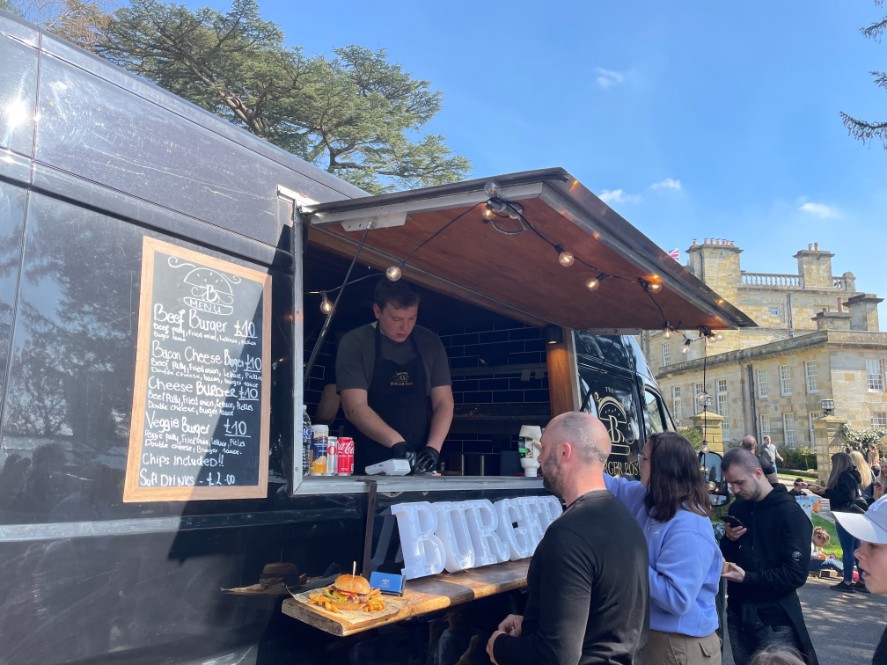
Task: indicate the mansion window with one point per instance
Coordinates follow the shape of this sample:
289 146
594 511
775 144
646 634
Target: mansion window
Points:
763 380
874 370
811 378
788 429
785 380
765 426
879 419
722 403
666 355
698 404
676 410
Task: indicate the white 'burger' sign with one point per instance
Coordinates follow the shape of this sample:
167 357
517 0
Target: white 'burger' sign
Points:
466 534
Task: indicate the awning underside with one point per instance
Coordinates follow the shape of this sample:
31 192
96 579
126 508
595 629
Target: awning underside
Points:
519 276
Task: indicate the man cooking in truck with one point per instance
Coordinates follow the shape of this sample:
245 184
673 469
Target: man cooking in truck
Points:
394 381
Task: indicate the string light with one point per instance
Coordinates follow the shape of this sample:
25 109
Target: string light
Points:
595 282
326 305
648 286
667 330
565 258
686 347
394 273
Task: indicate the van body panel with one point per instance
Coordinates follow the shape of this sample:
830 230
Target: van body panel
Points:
92 161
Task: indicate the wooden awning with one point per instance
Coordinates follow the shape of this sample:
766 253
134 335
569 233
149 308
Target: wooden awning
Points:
510 265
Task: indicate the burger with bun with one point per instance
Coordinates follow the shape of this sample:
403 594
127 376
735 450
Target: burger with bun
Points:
349 592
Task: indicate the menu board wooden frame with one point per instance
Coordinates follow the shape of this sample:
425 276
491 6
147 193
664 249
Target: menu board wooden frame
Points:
133 492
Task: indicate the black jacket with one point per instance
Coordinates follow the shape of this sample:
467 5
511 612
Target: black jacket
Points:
774 553
844 491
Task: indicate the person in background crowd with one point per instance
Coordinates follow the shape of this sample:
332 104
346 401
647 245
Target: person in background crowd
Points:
671 504
819 560
870 530
776 656
587 585
797 488
767 559
387 373
873 457
750 444
865 475
769 448
841 490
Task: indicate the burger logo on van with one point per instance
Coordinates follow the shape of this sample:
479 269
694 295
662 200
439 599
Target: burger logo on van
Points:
612 414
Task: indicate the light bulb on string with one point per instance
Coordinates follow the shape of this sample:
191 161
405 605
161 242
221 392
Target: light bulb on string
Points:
720 337
564 257
326 305
686 348
394 273
654 287
488 212
667 331
592 284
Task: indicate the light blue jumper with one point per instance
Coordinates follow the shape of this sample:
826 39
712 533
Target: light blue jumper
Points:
685 564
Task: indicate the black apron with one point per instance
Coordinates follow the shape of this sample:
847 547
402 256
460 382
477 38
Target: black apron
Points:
397 393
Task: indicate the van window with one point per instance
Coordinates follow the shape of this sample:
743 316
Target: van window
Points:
654 412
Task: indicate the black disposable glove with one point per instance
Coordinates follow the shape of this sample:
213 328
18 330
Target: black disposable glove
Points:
426 460
401 450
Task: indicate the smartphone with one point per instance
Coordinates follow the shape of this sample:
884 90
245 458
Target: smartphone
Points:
732 521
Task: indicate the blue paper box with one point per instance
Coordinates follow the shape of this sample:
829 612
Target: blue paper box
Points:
391 583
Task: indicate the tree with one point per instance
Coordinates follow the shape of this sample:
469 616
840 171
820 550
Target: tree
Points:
354 114
76 21
862 129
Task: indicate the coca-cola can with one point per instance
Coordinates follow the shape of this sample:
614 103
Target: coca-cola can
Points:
345 453
331 456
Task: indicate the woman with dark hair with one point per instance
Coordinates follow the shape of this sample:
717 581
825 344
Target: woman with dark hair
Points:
671 504
841 490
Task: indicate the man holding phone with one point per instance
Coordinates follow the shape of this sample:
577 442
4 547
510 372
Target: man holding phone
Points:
767 544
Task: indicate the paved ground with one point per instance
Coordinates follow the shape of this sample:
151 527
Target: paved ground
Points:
845 627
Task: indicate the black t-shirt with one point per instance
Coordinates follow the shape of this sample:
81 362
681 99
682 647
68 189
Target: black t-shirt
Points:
356 357
588 589
880 657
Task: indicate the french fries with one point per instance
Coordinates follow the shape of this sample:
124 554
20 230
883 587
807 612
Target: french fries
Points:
374 602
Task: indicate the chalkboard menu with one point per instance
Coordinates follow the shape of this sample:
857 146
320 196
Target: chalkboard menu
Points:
200 408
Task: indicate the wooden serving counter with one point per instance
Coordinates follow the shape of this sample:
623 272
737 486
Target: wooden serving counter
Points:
422 596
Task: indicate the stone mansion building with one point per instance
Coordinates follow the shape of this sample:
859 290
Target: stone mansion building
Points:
817 338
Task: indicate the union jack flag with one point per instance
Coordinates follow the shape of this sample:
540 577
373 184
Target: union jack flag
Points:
675 254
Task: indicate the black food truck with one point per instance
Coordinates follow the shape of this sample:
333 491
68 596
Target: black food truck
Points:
161 276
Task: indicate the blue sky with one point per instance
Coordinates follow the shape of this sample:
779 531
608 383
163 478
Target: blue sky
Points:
693 119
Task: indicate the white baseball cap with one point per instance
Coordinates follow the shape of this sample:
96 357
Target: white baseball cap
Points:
870 527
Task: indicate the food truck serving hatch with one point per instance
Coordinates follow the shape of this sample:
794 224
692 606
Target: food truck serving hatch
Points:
507 248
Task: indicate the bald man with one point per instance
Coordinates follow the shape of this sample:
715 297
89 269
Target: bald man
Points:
750 444
588 591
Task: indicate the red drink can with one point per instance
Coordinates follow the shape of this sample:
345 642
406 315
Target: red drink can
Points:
345 454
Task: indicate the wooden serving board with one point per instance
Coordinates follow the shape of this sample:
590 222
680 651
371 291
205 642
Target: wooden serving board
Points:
343 622
424 595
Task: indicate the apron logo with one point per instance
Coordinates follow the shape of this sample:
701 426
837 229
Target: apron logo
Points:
401 380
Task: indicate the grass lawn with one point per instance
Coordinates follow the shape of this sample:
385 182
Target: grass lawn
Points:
834 547
791 474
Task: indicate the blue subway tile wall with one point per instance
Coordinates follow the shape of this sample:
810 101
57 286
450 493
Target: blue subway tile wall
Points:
499 378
